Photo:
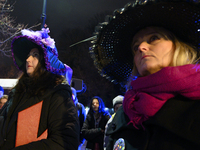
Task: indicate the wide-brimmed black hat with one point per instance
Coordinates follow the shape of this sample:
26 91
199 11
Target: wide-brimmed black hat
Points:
111 49
22 45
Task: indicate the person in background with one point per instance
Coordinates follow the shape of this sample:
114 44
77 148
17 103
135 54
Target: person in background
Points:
94 126
40 113
152 48
3 100
117 102
1 91
81 115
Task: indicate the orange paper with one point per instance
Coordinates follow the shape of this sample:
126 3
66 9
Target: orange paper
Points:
28 125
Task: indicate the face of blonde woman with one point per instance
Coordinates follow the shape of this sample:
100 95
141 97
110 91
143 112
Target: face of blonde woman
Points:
151 51
95 105
32 61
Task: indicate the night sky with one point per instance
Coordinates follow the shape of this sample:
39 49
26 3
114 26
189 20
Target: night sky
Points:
63 14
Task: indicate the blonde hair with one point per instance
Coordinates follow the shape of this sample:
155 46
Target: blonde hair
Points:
183 53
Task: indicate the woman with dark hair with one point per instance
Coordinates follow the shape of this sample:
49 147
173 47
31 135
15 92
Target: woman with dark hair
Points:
94 125
40 113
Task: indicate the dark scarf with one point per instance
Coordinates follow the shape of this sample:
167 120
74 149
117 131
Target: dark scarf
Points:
149 93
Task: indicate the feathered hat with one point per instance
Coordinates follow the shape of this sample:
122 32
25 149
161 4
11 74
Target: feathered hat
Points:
22 45
111 49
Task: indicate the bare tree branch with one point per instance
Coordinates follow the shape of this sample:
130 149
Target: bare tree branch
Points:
8 27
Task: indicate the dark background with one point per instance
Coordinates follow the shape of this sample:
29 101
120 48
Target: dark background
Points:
69 21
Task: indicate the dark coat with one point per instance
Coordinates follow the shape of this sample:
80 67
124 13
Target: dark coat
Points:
58 116
94 135
176 126
81 117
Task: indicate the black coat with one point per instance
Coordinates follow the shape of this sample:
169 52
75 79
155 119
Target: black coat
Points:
81 117
176 126
58 116
94 135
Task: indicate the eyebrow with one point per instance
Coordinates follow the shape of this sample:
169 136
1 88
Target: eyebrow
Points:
133 43
34 52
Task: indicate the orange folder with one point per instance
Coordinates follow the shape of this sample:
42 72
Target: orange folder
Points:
28 125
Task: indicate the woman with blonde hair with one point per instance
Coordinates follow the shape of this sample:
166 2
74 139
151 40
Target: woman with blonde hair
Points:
151 48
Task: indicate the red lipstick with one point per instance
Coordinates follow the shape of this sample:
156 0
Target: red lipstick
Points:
145 56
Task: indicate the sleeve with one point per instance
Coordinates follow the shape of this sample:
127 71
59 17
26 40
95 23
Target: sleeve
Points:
1 125
62 123
106 138
90 133
110 144
108 116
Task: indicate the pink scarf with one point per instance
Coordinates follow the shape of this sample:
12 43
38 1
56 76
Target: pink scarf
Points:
149 93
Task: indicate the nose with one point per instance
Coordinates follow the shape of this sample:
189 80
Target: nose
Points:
144 46
29 58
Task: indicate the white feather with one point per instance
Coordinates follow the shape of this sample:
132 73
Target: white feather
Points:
32 34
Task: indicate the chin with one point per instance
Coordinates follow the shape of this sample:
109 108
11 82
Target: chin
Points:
149 69
29 74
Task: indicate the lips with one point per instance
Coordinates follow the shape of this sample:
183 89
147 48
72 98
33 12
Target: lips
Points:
145 56
29 66
95 108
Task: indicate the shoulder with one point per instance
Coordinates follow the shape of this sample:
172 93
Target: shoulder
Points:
177 110
58 95
106 116
63 87
120 117
80 105
61 90
89 117
120 120
106 113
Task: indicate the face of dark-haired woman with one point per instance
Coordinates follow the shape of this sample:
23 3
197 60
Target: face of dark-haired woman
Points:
32 61
95 105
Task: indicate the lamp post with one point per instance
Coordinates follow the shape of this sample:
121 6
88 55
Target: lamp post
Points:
44 13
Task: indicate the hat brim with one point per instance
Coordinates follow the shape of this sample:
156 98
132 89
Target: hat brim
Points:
112 49
21 47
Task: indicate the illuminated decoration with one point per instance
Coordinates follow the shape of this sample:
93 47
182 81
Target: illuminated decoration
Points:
119 144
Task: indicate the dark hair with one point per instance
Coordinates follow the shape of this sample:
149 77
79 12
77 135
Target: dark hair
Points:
39 81
101 106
